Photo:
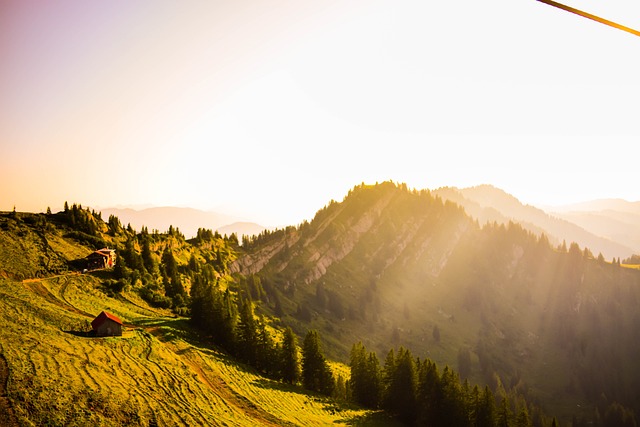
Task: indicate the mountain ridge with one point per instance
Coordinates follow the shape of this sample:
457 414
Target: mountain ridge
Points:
488 203
412 268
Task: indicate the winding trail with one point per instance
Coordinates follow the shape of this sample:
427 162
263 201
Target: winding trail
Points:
37 287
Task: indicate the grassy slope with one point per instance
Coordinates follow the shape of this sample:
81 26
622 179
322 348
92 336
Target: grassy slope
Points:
157 371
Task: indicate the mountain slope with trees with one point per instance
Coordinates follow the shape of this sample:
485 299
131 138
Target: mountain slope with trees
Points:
390 266
48 301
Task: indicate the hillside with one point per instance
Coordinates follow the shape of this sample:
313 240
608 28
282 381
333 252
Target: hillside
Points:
389 266
160 372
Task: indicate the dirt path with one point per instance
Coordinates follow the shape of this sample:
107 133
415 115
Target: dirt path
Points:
37 287
7 418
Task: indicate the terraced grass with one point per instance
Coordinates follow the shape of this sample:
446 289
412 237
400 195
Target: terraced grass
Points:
158 373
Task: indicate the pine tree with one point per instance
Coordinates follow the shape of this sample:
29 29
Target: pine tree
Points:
316 375
267 360
358 372
485 412
246 334
402 391
523 419
504 413
453 398
147 256
290 358
365 377
436 333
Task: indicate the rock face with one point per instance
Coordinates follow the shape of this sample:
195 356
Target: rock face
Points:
375 227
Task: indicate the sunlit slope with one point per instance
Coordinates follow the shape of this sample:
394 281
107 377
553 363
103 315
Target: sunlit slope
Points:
389 267
156 372
39 245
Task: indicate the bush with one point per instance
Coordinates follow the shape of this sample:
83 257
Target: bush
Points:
155 299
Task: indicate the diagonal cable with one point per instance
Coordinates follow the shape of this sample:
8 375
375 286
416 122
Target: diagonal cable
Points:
591 16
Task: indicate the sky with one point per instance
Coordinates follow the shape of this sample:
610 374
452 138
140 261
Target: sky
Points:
269 109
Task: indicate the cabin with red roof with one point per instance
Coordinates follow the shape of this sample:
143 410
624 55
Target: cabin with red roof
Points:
107 325
103 258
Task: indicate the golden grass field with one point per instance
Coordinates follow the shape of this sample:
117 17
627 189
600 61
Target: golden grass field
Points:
157 373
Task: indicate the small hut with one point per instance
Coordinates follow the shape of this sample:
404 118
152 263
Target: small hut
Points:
107 325
103 258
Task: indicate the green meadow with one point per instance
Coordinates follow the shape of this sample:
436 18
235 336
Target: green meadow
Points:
158 373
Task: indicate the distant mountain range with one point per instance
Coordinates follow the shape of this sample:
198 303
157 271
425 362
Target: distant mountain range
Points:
610 227
188 220
615 219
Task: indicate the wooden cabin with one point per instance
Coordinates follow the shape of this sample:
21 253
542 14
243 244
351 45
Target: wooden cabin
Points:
103 258
107 325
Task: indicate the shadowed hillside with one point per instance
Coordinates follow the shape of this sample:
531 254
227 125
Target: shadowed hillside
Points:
389 265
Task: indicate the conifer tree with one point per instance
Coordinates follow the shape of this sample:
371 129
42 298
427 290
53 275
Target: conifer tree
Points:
290 358
504 413
429 394
523 419
147 256
246 335
401 394
267 360
485 412
316 375
365 377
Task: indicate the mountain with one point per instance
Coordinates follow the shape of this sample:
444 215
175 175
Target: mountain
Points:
188 220
488 204
392 267
615 219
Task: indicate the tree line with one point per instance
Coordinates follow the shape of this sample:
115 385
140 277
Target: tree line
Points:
418 394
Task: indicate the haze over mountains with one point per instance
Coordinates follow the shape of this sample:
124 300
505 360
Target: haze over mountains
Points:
188 220
615 219
611 227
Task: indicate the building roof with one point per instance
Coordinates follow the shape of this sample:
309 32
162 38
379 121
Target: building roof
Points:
105 253
102 317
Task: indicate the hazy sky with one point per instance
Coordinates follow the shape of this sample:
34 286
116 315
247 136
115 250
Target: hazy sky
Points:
269 109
